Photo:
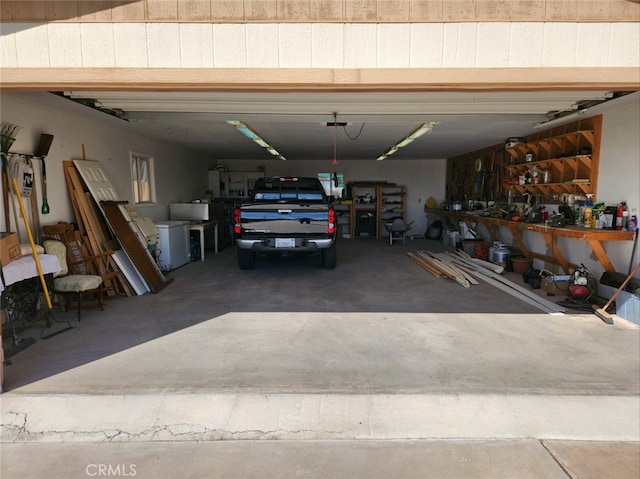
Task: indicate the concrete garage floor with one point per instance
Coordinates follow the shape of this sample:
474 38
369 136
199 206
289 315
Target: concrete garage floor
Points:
374 369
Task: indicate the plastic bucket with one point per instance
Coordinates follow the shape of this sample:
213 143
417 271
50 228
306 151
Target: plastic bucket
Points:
521 265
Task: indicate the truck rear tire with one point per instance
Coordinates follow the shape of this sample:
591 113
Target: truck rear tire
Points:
246 259
329 257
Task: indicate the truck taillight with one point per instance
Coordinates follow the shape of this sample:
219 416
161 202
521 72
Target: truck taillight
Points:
331 227
236 221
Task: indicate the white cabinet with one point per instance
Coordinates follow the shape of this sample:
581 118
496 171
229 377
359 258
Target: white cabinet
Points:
237 183
214 183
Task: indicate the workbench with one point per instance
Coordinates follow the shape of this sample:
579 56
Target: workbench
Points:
595 237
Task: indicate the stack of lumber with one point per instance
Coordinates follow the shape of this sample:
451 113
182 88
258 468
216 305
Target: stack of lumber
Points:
439 264
466 271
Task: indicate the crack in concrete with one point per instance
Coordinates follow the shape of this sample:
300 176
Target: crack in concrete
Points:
19 431
17 426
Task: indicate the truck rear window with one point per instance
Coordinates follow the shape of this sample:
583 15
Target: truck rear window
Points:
279 190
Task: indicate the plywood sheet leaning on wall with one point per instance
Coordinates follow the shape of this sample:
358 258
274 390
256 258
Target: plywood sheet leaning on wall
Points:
92 226
120 223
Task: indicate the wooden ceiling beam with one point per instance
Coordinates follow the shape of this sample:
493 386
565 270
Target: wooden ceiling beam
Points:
382 79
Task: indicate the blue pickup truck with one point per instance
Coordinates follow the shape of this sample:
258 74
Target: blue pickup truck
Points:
285 216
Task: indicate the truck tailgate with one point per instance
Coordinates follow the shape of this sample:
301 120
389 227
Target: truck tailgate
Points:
283 219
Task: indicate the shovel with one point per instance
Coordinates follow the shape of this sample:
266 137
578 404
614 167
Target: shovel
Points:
45 203
42 151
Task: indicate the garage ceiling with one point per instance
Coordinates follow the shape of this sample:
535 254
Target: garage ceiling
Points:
295 123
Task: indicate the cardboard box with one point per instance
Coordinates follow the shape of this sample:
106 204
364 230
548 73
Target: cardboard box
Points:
555 285
9 247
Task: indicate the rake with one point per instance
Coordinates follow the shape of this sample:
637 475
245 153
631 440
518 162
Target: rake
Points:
8 132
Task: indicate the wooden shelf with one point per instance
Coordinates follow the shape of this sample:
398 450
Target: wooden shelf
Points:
388 202
561 154
545 148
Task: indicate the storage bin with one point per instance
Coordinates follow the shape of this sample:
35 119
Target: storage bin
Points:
476 249
521 265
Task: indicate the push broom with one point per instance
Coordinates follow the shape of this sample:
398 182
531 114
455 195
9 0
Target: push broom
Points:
602 312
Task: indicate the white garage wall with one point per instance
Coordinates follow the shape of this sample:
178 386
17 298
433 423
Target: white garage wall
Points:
320 45
179 174
620 156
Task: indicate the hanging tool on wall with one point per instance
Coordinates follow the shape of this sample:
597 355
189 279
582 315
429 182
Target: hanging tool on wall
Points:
8 133
19 168
35 214
41 152
5 193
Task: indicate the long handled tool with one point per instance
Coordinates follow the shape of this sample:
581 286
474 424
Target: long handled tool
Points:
45 203
42 151
36 258
602 312
33 245
5 193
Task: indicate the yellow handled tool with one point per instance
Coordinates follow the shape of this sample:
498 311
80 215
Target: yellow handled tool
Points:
33 246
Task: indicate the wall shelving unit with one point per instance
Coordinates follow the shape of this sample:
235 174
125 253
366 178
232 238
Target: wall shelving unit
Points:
374 205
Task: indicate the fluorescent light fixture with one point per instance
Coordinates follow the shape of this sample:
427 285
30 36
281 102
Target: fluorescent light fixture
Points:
252 135
248 133
561 119
404 142
425 128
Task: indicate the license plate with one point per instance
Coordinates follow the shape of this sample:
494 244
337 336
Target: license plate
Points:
285 243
